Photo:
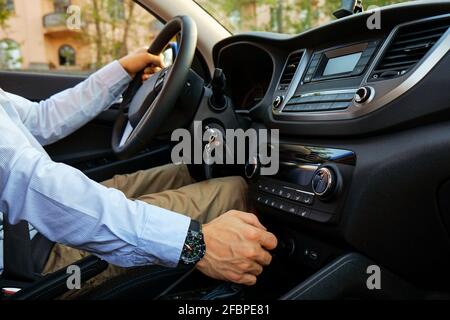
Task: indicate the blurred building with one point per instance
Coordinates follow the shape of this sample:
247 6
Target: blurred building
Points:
38 37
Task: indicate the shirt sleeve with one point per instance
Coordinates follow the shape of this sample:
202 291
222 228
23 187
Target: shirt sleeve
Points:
69 208
55 118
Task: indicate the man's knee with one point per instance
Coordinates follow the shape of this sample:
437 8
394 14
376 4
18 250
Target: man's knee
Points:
233 190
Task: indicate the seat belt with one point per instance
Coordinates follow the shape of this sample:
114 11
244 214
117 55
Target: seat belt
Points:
17 252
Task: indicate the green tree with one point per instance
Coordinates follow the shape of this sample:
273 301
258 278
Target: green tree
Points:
109 26
9 55
5 14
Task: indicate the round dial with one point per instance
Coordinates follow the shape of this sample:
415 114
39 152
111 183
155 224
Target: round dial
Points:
324 182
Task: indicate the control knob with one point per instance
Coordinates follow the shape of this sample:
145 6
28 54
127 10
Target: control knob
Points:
324 182
277 102
363 94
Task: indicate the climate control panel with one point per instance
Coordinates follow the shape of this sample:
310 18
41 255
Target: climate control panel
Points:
310 184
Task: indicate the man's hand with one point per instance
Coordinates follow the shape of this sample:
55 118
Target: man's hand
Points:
142 60
236 248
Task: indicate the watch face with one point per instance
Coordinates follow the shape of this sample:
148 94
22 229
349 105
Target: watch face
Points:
194 248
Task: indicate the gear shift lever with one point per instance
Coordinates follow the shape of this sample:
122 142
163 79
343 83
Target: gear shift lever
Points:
218 100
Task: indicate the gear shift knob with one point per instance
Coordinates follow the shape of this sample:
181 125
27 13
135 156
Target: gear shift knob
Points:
218 85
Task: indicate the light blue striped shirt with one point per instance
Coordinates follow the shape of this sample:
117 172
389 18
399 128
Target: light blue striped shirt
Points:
60 201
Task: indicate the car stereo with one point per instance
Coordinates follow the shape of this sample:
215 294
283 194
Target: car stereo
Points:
340 62
310 184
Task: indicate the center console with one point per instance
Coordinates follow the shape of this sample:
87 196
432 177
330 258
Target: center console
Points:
329 82
311 184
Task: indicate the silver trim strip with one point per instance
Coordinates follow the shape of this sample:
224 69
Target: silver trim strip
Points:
298 190
386 91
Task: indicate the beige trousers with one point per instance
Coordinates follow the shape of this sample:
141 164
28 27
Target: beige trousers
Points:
170 187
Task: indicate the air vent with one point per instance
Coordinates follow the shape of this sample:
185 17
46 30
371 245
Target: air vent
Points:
289 70
408 47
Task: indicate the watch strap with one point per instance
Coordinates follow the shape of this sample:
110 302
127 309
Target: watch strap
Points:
195 226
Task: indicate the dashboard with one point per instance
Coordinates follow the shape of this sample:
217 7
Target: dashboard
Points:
342 72
364 122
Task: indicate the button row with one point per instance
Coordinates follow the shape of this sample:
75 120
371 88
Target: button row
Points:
323 97
312 68
365 58
293 209
286 207
325 106
294 195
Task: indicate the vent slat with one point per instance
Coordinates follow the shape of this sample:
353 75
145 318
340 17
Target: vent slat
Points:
437 30
419 39
289 71
402 49
401 56
408 47
399 64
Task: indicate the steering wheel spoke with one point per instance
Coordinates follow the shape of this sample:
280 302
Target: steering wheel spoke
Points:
126 134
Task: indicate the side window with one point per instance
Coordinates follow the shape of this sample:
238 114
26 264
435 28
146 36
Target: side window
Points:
71 36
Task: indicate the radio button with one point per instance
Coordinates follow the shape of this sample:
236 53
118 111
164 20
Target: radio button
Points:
304 212
308 77
298 197
314 63
293 210
288 208
308 199
339 106
273 203
363 61
291 107
328 97
322 106
312 98
345 97
358 70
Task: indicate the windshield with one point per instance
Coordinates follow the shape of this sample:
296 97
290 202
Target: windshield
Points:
282 16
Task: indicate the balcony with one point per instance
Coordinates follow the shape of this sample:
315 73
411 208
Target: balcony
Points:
55 24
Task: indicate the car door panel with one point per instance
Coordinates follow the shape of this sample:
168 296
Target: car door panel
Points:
37 86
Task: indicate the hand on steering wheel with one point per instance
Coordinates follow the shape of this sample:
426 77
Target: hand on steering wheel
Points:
140 60
147 105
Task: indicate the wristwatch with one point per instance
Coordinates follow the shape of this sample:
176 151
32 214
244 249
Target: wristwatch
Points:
194 248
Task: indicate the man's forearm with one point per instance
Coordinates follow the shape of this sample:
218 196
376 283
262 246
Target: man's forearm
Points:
65 112
66 206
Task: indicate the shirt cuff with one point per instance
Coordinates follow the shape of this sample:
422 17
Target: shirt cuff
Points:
114 77
163 235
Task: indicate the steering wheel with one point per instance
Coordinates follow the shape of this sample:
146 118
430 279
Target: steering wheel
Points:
146 105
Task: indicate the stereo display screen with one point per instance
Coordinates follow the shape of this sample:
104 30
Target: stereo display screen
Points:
342 64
